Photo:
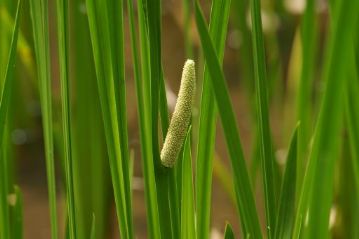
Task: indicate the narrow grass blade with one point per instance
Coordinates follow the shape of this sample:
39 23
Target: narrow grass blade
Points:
347 195
244 195
174 194
207 122
187 202
93 227
4 31
39 16
154 35
103 38
10 218
162 182
62 34
304 105
67 231
261 89
162 176
144 103
173 188
24 50
4 108
9 74
141 75
317 189
17 216
286 207
352 116
228 233
116 29
4 191
91 175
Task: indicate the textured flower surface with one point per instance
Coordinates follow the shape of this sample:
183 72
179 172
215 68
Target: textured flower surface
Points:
181 116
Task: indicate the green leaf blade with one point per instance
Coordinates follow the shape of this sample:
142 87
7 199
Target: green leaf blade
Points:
5 99
228 232
187 202
244 196
207 123
287 198
352 116
40 18
62 23
317 189
101 37
93 227
266 153
18 214
142 80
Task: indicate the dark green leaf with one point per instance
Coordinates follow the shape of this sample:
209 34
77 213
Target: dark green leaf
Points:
286 207
207 123
187 202
228 233
244 196
261 89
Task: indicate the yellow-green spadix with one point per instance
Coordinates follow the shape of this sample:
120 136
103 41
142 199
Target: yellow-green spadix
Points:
181 116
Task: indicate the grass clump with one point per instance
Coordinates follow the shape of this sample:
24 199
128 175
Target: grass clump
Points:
281 82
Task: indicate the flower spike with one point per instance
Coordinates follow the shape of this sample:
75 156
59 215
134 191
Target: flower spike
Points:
181 116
